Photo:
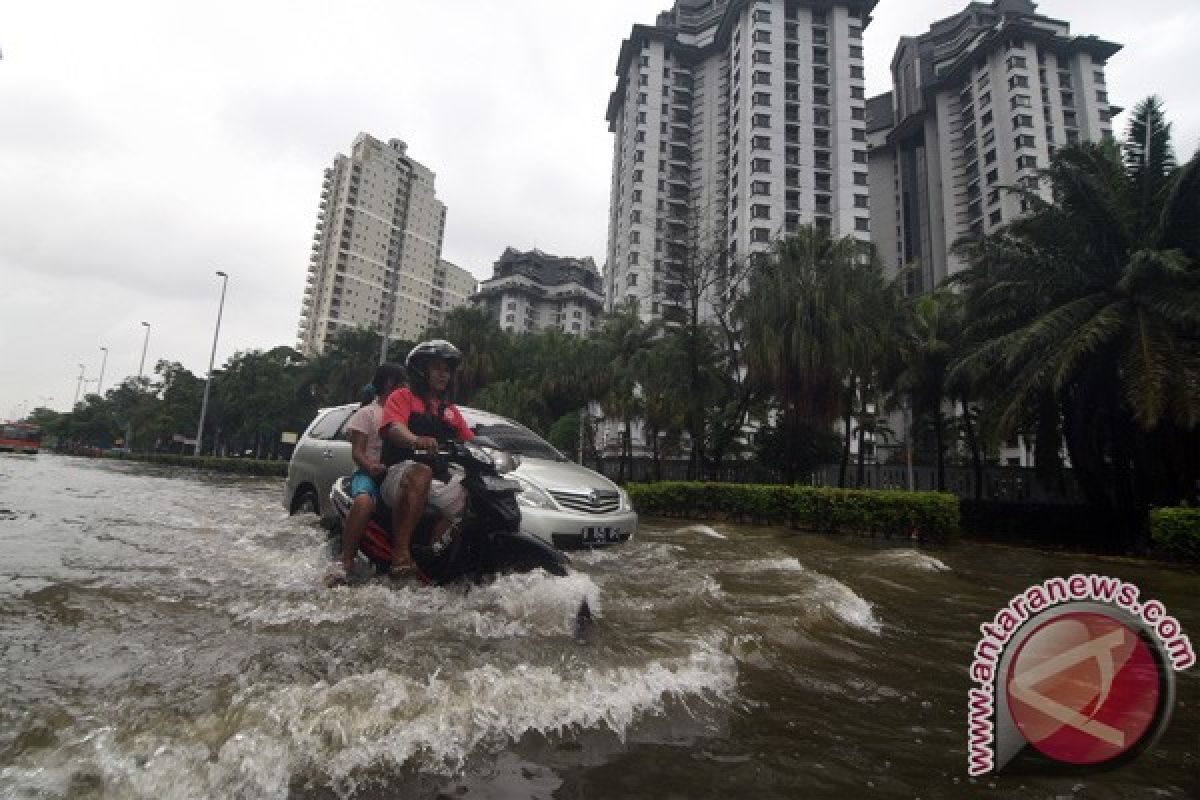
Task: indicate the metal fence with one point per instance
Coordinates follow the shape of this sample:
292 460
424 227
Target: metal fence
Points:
1000 484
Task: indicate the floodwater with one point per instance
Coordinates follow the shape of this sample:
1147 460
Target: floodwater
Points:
163 634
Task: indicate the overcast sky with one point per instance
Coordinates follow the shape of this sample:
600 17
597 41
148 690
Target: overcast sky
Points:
144 145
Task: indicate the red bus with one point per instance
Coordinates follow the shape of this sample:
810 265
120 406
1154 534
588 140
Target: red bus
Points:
20 437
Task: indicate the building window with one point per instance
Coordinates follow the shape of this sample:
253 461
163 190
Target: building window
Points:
858 113
995 218
762 37
762 15
762 98
761 120
820 116
821 75
1016 62
992 176
986 119
634 257
1024 140
857 93
1018 82
862 201
856 51
860 179
862 224
820 96
1020 101
762 78
631 279
760 235
856 72
860 156
637 195
1022 121
635 237
635 216
510 317
1026 162
760 165
760 212
762 56
858 135
761 143
760 187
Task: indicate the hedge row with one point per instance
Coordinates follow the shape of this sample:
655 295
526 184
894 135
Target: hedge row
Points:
929 516
1175 532
239 466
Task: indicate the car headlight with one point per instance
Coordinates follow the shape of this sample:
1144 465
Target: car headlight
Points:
626 502
532 496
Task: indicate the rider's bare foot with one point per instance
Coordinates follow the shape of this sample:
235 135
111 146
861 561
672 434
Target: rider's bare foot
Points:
336 576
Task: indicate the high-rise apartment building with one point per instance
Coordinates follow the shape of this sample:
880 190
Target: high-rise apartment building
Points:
535 291
376 256
979 103
736 121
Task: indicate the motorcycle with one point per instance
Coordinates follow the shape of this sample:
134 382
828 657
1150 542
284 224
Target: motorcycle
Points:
486 541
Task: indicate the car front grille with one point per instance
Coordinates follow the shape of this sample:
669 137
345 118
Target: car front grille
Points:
598 501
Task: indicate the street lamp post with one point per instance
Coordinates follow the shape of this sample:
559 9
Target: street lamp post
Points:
212 357
78 386
141 371
100 380
142 363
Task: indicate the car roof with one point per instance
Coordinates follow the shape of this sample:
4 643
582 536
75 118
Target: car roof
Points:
473 416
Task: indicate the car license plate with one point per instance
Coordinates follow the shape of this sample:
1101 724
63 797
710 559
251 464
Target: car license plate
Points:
601 535
495 484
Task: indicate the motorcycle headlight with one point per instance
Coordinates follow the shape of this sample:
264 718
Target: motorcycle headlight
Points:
532 496
480 454
626 502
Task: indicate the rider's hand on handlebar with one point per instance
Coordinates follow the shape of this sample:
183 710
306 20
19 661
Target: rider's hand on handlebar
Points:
425 444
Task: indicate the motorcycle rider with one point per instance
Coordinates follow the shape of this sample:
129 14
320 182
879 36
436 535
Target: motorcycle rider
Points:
415 419
367 451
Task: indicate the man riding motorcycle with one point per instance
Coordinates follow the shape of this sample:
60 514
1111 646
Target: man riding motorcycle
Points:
415 420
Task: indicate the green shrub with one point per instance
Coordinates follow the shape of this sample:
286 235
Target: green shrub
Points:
931 516
238 466
1175 532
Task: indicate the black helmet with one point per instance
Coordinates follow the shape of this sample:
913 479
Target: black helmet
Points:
424 352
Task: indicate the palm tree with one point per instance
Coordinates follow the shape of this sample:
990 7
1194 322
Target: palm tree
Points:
802 317
1085 318
621 340
925 355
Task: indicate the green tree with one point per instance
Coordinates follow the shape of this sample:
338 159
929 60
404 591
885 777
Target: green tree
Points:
1085 320
799 318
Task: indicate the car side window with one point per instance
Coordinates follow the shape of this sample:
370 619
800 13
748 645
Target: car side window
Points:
330 424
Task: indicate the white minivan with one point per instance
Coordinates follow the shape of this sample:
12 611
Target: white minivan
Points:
564 503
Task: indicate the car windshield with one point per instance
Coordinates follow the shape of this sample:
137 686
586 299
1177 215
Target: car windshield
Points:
522 441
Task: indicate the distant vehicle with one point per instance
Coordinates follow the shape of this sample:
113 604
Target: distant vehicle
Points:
561 502
20 437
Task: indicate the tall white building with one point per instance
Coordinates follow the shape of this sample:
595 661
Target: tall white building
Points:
980 102
376 256
736 121
535 291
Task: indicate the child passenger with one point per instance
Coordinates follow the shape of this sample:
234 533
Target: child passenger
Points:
366 447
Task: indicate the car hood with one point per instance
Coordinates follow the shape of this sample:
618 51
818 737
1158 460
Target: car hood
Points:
565 475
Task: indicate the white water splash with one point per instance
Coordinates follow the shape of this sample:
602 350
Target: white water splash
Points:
822 596
703 530
269 735
907 559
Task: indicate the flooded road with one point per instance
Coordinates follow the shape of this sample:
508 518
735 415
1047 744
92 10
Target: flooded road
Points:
163 634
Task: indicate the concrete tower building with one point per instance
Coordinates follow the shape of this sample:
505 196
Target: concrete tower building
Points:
535 291
376 256
735 122
980 102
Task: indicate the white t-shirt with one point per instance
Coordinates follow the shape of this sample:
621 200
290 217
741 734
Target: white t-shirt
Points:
368 420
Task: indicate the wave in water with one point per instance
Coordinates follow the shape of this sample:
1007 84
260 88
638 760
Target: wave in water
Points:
269 736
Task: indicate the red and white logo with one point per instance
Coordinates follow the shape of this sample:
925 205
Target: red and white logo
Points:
1084 688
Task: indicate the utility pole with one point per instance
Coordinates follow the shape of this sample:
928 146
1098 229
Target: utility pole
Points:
212 356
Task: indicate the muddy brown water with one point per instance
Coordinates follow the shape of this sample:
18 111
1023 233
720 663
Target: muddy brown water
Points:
163 635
